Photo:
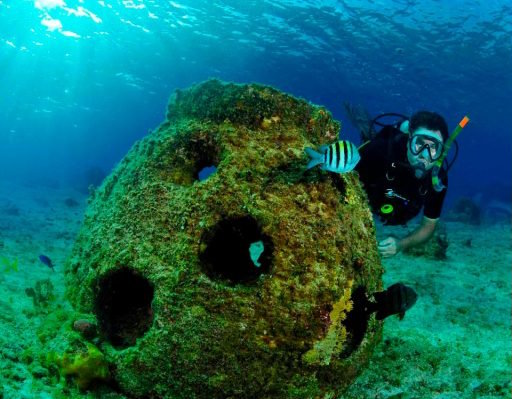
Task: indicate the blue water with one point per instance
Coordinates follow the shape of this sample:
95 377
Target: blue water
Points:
82 80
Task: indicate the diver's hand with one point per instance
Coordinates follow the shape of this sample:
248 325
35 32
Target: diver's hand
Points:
388 247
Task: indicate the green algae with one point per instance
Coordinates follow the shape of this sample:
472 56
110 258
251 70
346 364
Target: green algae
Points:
85 367
42 294
8 264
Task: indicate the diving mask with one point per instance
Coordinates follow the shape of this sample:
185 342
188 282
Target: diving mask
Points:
422 141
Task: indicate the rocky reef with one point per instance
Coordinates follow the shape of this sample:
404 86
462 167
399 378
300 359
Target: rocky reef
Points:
465 210
164 261
435 248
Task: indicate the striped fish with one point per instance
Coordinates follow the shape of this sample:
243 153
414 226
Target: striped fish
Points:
339 157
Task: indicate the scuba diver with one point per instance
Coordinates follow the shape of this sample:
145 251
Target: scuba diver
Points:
402 170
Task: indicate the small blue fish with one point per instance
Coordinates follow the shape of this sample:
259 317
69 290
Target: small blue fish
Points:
255 250
47 261
339 157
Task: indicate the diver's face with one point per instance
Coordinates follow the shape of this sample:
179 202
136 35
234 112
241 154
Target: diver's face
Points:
423 149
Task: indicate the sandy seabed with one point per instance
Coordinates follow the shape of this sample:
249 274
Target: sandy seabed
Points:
454 343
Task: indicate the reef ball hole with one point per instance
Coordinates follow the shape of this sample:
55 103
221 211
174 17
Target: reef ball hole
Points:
338 183
356 322
206 172
235 251
123 307
202 150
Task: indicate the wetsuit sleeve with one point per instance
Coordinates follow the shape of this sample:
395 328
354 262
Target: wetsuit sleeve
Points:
434 201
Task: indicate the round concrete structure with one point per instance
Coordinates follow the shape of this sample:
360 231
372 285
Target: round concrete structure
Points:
245 284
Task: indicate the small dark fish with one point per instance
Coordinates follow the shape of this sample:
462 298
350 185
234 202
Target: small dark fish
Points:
47 261
397 299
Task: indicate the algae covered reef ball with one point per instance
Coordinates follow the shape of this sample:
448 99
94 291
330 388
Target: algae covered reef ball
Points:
244 284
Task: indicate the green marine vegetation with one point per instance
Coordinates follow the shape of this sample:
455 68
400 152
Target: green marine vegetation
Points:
435 248
42 295
9 265
86 367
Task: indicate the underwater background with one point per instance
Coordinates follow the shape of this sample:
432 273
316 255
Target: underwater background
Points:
82 81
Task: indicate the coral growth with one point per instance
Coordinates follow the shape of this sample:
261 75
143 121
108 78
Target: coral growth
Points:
86 367
166 261
42 294
335 337
435 248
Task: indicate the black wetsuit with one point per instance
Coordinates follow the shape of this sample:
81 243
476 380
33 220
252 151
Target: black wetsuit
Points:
388 179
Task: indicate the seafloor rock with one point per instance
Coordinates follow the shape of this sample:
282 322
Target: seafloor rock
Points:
435 248
465 210
498 212
165 261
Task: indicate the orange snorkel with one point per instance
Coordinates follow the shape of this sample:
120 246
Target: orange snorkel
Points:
436 182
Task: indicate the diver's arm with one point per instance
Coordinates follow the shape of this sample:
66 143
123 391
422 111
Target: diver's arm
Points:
391 246
420 235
